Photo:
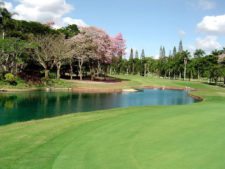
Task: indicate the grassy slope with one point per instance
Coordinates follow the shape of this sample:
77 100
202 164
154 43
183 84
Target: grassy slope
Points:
166 137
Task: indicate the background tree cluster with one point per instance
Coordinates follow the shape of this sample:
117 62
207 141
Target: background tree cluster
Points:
34 50
179 64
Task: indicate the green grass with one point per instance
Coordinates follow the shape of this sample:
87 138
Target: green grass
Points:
158 137
22 85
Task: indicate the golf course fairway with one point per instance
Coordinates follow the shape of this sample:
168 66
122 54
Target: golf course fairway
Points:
151 137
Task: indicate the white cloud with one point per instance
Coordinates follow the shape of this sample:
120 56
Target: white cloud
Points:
42 10
46 11
208 43
212 24
8 6
206 4
70 21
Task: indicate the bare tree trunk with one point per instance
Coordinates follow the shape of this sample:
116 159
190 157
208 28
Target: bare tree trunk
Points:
145 69
16 69
110 70
185 71
80 63
198 74
58 73
99 69
216 80
16 66
46 73
4 68
132 68
92 70
81 74
58 70
71 71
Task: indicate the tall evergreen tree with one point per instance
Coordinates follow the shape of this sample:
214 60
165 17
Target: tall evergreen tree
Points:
174 51
163 52
143 54
131 61
136 54
131 54
160 51
181 49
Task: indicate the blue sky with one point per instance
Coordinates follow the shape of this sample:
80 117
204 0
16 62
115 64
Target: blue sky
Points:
145 24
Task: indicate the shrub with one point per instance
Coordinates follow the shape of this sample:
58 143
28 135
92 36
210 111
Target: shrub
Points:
52 75
10 78
47 82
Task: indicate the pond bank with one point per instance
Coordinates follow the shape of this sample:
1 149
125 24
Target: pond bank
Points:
47 89
169 88
92 89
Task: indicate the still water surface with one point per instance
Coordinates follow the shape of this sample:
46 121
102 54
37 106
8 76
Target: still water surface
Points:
27 106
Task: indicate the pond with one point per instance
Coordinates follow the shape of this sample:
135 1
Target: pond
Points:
17 107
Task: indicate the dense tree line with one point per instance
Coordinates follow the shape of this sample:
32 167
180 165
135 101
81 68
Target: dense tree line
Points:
179 64
34 50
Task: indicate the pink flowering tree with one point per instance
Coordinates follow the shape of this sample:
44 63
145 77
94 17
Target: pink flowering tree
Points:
119 45
119 48
102 53
83 48
97 49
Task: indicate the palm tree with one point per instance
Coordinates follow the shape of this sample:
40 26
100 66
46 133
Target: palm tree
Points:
217 52
185 57
199 53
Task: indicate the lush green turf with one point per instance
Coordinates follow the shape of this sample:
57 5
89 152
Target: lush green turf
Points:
161 137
